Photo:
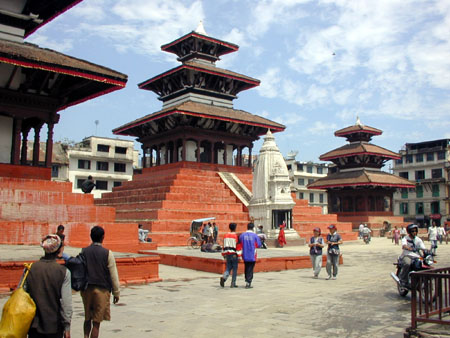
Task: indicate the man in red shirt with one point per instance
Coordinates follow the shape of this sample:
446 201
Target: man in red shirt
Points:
229 252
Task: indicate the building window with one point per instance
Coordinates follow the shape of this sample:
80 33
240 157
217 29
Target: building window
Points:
120 167
55 171
403 208
419 191
117 183
310 180
299 167
101 185
321 198
300 195
311 198
420 175
121 150
430 157
288 167
399 161
103 148
319 170
419 208
434 207
436 173
404 174
435 190
301 181
309 169
409 159
404 193
441 155
102 166
419 157
84 164
79 183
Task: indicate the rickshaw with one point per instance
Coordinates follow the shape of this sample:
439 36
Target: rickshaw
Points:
196 237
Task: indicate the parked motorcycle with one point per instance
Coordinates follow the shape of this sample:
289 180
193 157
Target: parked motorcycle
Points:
424 261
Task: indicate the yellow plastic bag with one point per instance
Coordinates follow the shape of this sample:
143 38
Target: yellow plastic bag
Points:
18 312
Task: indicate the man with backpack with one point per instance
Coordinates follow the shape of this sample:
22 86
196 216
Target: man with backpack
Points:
102 278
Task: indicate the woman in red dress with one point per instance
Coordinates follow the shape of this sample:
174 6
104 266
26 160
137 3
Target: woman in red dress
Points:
281 237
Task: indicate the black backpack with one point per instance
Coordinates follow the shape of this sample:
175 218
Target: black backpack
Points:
78 271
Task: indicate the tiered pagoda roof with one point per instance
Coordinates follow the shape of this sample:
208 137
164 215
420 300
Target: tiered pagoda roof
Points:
359 163
198 94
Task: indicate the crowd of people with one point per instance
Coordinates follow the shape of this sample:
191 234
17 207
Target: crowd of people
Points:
49 285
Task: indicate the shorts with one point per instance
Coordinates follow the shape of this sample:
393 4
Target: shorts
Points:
96 303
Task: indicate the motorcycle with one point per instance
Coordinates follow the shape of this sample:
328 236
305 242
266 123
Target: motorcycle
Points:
422 262
366 238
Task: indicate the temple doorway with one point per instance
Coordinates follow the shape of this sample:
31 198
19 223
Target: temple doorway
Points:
280 216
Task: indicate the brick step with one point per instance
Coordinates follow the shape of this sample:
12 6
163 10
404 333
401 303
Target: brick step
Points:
178 215
179 205
306 209
186 181
155 195
191 189
44 197
55 213
314 218
30 184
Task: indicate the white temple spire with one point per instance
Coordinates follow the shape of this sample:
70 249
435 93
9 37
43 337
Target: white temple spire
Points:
200 29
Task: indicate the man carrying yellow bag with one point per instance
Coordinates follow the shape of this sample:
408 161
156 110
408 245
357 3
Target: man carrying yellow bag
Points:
48 284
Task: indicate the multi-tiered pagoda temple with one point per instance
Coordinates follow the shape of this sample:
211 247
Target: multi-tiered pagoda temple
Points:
358 190
197 150
197 122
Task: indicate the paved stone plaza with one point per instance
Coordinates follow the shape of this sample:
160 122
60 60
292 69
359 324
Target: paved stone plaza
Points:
362 302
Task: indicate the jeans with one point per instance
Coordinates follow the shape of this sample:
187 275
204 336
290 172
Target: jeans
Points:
316 261
249 271
232 264
332 262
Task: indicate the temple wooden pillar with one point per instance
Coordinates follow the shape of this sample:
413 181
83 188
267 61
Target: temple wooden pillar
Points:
49 145
36 145
15 151
183 150
158 155
197 151
23 155
250 156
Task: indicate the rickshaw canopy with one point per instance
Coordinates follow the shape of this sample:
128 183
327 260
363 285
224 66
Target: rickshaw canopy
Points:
197 223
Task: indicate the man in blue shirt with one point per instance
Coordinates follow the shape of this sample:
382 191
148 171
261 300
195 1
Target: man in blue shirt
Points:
249 241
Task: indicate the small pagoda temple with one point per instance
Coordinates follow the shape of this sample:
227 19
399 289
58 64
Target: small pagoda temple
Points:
197 150
358 190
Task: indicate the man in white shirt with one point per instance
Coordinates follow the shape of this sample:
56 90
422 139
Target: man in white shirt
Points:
432 236
441 233
411 245
361 227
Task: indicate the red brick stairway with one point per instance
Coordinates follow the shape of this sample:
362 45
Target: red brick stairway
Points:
165 199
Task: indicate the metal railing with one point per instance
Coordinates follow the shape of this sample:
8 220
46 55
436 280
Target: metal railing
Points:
430 297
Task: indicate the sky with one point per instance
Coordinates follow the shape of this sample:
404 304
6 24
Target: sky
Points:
321 64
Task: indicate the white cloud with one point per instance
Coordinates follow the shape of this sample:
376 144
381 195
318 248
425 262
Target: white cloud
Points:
62 46
322 128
